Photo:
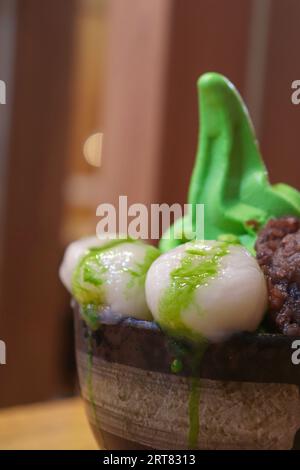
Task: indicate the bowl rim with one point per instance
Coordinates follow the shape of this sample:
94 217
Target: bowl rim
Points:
245 357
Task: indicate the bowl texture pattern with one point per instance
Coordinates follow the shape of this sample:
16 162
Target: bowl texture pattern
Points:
134 401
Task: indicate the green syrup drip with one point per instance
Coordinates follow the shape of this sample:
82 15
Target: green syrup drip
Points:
176 366
91 315
229 176
194 353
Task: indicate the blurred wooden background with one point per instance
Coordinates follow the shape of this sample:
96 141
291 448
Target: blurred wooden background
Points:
139 61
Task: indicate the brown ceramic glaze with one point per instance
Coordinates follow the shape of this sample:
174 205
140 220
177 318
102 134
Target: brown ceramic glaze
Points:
247 394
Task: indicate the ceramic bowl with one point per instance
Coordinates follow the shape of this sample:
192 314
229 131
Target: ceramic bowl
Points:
143 390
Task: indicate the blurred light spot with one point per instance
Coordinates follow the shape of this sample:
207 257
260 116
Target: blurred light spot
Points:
92 149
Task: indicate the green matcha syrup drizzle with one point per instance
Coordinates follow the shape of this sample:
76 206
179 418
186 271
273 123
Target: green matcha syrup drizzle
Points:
194 386
229 175
197 267
193 353
138 275
88 278
89 377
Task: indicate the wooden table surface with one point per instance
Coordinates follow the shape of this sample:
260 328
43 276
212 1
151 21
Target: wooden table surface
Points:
60 425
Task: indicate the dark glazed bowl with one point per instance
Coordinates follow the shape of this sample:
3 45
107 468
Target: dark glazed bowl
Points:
243 393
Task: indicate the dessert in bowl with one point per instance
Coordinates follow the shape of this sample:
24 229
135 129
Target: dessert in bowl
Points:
188 345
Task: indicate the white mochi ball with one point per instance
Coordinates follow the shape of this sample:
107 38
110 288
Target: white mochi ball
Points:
111 276
206 289
72 255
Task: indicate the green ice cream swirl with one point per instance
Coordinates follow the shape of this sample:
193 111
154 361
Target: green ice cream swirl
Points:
229 176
